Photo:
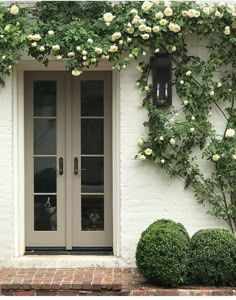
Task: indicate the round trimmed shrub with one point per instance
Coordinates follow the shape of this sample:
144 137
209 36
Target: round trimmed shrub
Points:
212 258
162 251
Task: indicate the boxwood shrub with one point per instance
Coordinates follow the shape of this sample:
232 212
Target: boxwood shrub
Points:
162 251
212 258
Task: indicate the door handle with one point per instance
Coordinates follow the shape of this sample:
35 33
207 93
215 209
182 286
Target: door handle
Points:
76 166
61 166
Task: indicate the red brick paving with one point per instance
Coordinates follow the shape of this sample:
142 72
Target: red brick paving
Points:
91 282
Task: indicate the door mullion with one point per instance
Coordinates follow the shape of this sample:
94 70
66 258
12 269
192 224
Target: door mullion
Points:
68 142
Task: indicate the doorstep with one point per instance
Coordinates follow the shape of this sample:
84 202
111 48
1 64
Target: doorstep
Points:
92 282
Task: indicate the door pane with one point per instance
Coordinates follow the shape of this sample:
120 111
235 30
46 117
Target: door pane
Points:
92 136
92 213
45 175
92 98
45 213
45 98
92 175
45 136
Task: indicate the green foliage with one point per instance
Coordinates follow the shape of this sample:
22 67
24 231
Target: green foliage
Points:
84 33
212 258
161 254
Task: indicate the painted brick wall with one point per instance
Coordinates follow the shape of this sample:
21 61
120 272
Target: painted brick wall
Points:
147 193
6 172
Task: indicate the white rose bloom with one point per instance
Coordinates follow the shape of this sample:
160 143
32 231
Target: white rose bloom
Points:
36 37
78 48
84 52
188 73
173 49
98 50
168 12
146 5
85 63
218 14
159 15
148 151
191 13
50 32
177 28
145 36
163 22
144 53
140 142
156 29
113 48
212 93
230 9
108 17
192 129
186 102
93 60
221 4
116 36
71 54
34 44
134 11
162 161
139 69
148 29
76 72
142 157
14 10
84 57
230 132
193 118
90 41
197 14
136 19
3 57
42 49
55 47
7 28
167 3
58 57
129 40
121 42
184 13
157 50
161 138
142 27
206 10
216 157
138 84
146 88
227 30
172 141
234 156
130 30
219 84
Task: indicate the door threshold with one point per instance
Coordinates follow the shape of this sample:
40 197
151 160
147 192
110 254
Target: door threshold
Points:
64 251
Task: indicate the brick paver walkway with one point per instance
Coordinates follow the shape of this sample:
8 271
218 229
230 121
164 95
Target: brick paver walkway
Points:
90 281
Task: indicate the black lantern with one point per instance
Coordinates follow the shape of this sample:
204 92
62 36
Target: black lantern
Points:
161 80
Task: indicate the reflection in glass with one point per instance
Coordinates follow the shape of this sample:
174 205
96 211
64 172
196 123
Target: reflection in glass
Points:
92 176
45 175
92 98
92 136
45 98
45 213
92 213
45 136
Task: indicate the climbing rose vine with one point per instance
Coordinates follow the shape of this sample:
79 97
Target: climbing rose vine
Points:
179 138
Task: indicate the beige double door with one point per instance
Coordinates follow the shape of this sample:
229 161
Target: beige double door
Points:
68 159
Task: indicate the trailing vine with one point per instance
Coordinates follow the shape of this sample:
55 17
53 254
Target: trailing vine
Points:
179 138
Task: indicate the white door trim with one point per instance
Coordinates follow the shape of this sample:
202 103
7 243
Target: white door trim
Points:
19 151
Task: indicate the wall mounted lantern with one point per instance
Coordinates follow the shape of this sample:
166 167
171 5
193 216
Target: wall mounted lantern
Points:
161 79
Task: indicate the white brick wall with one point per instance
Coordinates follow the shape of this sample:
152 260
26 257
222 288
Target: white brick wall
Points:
147 193
6 172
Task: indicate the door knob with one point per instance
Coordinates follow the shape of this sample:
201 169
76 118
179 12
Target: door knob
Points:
61 166
76 166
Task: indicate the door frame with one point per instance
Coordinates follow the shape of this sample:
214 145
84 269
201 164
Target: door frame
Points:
19 151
